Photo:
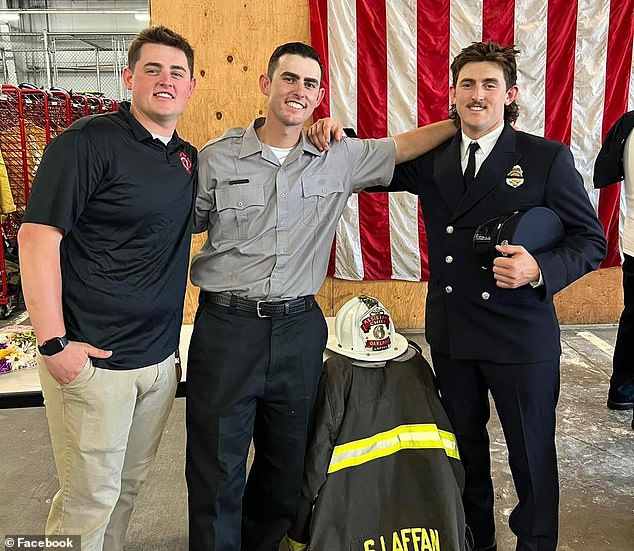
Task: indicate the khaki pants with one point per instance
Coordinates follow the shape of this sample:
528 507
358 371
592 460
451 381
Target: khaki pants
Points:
105 429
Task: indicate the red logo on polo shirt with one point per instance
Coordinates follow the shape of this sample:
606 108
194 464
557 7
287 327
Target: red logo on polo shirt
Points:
187 162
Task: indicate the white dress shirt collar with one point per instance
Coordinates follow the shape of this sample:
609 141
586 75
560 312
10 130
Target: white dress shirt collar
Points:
486 143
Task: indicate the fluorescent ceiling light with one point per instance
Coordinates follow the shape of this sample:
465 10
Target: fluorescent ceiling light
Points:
145 17
5 16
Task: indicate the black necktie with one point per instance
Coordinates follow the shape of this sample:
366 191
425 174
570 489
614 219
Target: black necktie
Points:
469 173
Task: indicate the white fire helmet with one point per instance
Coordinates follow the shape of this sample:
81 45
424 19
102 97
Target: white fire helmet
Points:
364 331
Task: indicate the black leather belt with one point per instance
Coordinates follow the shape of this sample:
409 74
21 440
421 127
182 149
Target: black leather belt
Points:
261 308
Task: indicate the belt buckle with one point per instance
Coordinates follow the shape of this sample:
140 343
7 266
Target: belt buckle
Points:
257 309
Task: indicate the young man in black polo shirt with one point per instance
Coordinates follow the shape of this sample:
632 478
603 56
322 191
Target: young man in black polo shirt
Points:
104 250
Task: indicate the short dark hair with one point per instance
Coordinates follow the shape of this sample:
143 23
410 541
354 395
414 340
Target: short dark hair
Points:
160 35
293 48
503 56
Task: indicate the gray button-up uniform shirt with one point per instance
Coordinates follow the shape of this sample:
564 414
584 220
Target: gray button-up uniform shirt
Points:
270 226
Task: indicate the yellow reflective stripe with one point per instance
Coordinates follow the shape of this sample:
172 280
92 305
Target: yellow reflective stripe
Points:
403 437
450 444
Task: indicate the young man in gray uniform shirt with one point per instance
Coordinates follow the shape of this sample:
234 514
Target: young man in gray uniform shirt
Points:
270 202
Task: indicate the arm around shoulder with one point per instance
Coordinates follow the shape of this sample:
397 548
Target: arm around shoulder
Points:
414 143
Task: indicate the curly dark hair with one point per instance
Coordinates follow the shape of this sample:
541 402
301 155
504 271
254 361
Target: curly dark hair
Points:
504 56
160 35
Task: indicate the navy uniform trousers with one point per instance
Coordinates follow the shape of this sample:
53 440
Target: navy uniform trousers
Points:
248 376
525 398
623 361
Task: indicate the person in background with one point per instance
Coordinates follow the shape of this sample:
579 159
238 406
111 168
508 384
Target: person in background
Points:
104 251
615 163
270 202
382 462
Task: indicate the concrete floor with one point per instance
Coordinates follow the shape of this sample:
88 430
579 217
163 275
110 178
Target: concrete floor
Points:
595 446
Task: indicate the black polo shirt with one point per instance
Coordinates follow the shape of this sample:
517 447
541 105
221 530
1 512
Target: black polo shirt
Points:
124 201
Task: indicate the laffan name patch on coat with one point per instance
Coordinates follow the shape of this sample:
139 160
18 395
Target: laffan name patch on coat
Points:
405 539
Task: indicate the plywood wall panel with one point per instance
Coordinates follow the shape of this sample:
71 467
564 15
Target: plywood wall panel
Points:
404 299
233 41
595 298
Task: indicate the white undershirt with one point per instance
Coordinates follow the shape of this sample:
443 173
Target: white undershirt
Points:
164 139
281 153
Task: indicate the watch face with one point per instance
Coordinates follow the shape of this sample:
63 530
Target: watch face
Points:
53 346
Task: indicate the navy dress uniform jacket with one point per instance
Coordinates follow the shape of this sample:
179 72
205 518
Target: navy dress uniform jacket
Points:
467 315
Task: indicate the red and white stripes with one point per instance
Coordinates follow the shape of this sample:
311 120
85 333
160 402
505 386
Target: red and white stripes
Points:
388 71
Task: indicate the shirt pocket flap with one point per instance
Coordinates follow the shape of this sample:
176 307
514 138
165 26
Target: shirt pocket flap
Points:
321 185
240 197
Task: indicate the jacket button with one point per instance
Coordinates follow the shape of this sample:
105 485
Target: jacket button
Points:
448 289
449 259
449 229
239 203
485 296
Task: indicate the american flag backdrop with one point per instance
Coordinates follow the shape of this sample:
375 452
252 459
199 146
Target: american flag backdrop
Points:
387 71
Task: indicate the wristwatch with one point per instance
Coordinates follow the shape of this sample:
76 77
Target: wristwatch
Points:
53 346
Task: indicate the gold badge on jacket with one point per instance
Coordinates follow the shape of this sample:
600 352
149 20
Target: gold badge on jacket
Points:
515 177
